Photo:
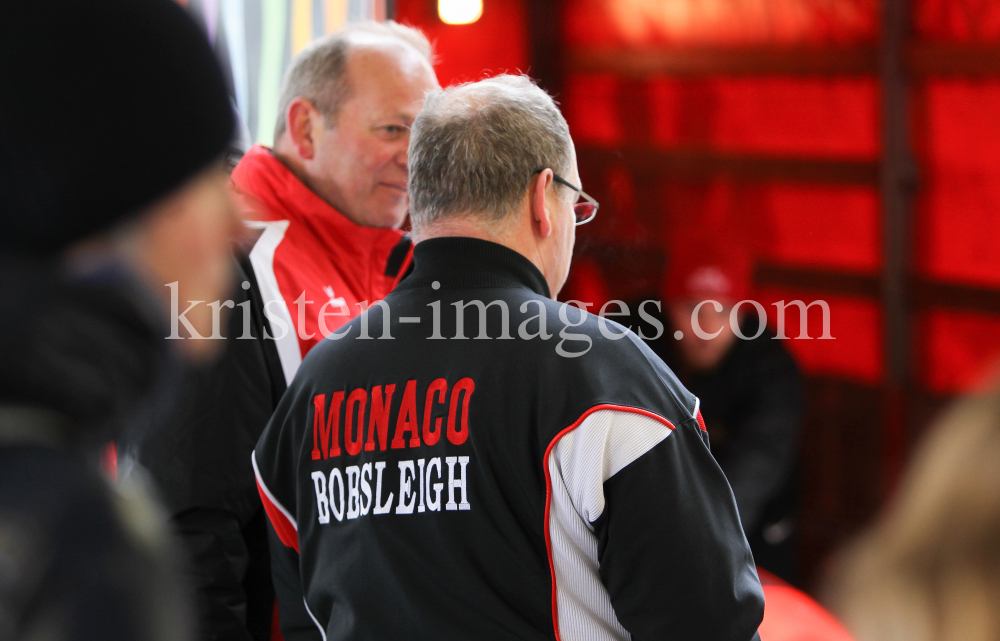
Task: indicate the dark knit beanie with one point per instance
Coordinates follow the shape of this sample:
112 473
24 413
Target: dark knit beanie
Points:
105 106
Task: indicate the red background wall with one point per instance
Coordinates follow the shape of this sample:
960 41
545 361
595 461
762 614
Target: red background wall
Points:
765 126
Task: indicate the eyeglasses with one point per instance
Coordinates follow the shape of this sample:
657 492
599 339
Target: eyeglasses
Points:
584 210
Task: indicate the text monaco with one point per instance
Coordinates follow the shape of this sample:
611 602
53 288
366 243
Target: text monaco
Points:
347 493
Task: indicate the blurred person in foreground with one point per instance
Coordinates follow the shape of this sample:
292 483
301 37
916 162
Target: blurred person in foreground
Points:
113 122
324 207
750 388
553 483
929 569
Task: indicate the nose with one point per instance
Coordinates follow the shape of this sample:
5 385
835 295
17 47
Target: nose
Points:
403 153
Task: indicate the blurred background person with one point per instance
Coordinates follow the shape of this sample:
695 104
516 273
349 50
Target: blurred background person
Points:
324 209
750 390
113 122
929 569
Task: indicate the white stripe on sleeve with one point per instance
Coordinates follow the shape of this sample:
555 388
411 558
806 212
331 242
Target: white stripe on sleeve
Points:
606 442
262 260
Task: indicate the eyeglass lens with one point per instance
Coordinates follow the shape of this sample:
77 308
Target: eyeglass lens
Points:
584 211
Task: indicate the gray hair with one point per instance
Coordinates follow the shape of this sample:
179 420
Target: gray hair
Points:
474 148
318 73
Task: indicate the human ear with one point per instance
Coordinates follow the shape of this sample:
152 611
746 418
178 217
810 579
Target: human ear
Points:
300 122
540 213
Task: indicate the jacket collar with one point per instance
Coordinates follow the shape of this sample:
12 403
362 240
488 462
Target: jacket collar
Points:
459 263
261 175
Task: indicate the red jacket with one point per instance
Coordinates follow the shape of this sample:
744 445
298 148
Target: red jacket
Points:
790 615
316 269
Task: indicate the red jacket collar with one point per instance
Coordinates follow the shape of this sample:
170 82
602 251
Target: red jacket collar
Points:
265 179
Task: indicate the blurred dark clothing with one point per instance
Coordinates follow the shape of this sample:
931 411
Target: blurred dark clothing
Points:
79 559
82 359
199 456
752 402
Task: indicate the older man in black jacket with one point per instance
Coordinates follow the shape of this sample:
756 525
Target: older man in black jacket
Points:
472 460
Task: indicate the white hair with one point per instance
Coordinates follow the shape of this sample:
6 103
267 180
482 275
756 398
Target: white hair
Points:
475 147
319 72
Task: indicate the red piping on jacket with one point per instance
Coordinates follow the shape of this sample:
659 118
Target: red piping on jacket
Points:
286 531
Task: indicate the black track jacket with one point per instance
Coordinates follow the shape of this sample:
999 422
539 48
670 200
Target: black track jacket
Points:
462 480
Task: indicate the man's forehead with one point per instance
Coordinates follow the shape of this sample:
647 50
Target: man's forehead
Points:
362 38
390 74
385 53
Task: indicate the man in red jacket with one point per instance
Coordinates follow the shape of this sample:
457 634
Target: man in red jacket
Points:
325 207
332 194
